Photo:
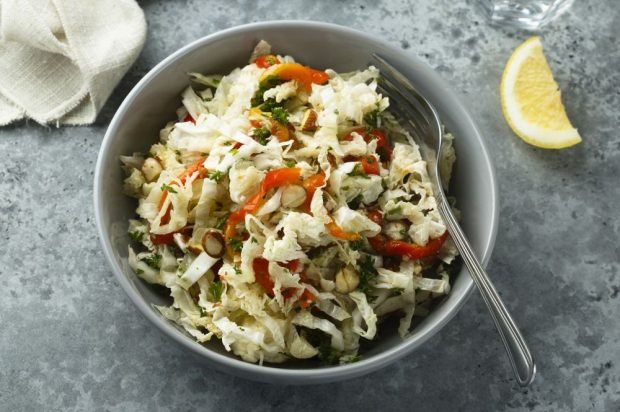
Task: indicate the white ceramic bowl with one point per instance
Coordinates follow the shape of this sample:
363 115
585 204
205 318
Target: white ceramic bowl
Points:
153 102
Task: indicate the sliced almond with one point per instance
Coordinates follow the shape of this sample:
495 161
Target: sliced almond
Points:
308 124
213 243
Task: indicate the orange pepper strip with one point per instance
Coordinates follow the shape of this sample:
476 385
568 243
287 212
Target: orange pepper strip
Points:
311 185
336 231
303 75
197 166
274 178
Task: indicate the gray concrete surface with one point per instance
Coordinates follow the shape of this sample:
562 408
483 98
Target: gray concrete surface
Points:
71 340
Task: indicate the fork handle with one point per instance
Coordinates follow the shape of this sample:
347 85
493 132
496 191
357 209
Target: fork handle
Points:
518 352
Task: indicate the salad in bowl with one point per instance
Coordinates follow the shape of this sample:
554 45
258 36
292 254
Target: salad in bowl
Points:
287 213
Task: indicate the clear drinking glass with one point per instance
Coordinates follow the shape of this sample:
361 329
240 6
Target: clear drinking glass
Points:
526 14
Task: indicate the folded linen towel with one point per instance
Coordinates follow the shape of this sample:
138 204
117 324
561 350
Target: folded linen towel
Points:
61 59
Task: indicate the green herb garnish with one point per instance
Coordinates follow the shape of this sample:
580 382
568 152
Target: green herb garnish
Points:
280 115
221 222
356 202
357 244
328 354
353 359
270 105
322 341
153 260
136 236
372 118
261 135
216 175
168 188
368 274
268 83
214 292
358 171
290 163
234 151
235 244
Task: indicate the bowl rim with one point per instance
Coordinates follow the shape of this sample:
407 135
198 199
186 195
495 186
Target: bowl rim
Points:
237 366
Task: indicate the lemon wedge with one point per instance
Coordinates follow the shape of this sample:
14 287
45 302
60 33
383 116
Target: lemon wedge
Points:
531 100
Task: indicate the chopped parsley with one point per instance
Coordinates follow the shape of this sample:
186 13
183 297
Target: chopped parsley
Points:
280 115
136 236
235 244
356 202
139 272
221 222
269 105
357 244
237 271
372 118
358 171
216 175
353 359
153 260
234 151
328 354
253 240
214 292
268 83
368 274
261 134
168 188
322 341
290 163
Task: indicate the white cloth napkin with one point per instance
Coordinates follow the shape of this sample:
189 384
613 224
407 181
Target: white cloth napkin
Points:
61 59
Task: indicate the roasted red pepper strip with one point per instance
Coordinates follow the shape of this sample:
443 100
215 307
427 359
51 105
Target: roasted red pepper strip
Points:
376 216
370 165
168 238
384 149
292 265
188 118
387 247
274 178
266 60
306 299
261 274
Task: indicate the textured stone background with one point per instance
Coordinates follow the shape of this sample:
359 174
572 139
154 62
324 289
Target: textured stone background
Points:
71 340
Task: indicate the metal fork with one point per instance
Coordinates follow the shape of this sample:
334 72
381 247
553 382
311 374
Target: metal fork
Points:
422 119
